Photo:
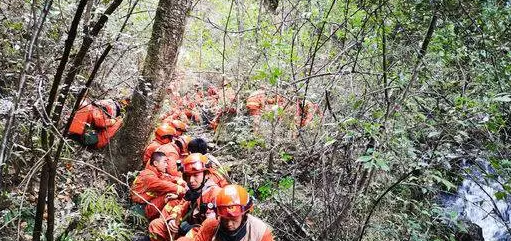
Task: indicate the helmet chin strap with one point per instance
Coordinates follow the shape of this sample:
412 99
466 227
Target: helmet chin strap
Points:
194 194
235 235
204 180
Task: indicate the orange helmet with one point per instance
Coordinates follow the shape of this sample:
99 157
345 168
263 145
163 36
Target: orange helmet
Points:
195 163
233 201
183 142
163 131
179 125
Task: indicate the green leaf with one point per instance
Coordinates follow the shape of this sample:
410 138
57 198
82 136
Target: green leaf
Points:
329 142
261 74
500 195
286 157
449 185
505 163
286 183
364 159
382 164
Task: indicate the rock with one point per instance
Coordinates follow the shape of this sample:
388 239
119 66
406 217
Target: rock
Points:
139 237
473 232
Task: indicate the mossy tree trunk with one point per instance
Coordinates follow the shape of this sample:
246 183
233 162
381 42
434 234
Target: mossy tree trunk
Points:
159 65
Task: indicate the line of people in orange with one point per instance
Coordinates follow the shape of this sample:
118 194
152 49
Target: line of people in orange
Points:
207 106
201 106
186 197
260 101
183 193
95 123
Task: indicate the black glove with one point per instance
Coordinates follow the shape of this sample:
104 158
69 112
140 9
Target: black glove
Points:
184 228
191 195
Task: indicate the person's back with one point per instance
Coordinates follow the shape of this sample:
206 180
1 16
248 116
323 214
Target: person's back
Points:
83 116
95 123
255 102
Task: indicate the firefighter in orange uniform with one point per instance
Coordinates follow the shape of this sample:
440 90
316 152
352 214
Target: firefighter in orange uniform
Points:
180 126
196 207
156 186
233 205
95 123
220 108
219 176
164 134
182 143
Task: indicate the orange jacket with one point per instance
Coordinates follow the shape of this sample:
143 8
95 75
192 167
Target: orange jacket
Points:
192 115
212 91
92 115
257 230
104 135
179 212
174 114
255 102
151 183
309 110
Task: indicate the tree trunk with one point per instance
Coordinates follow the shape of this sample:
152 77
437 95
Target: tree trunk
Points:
162 52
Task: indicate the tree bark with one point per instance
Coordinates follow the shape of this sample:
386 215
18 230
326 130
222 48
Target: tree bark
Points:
162 52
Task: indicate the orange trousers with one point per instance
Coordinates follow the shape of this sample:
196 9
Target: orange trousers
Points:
150 211
104 135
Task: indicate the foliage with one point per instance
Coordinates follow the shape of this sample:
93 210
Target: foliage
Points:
101 217
385 109
385 124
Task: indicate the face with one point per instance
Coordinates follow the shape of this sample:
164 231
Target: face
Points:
231 224
161 164
166 139
195 180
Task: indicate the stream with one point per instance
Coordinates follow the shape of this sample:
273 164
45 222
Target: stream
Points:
472 202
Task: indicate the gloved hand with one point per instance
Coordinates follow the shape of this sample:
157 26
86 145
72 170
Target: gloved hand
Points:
180 190
173 226
181 182
191 195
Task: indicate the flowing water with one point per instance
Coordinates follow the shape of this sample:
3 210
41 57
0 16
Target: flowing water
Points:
473 203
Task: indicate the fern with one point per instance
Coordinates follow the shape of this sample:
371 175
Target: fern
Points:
102 217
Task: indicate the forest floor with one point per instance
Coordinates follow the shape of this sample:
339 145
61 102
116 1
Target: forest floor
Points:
85 174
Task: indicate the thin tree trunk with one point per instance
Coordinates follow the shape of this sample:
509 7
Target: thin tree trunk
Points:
43 184
49 171
167 35
73 71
